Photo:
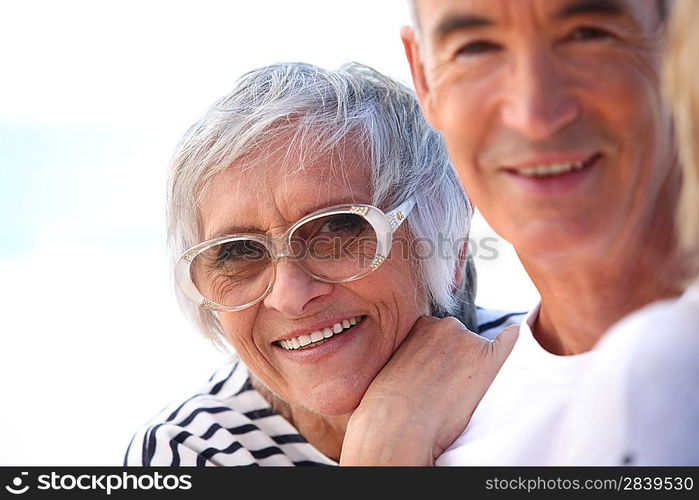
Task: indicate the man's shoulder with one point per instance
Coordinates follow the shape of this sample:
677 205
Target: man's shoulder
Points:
492 321
662 334
658 328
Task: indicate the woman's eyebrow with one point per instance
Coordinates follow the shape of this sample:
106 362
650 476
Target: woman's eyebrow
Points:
341 200
240 229
234 229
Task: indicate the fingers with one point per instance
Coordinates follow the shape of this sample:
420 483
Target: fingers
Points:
446 322
427 319
504 342
429 325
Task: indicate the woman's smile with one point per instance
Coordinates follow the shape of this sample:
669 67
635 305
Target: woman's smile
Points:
338 337
319 335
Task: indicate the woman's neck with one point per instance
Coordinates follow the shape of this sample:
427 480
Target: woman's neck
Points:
326 433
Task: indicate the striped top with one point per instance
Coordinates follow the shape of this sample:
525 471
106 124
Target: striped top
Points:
228 422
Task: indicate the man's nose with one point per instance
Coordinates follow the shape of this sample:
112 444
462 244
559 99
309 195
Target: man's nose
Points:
539 102
293 290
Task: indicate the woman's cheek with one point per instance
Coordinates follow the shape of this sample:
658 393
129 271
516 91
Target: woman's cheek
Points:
239 327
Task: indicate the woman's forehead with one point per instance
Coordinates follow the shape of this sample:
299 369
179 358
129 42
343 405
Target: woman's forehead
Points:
267 195
316 176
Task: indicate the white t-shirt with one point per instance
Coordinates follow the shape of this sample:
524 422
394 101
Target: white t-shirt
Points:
639 404
516 421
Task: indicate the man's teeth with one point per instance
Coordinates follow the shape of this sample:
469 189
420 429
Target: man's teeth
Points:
319 335
549 170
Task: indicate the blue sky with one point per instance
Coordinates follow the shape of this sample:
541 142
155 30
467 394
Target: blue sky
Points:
60 184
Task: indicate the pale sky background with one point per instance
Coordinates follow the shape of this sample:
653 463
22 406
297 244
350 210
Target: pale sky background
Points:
94 96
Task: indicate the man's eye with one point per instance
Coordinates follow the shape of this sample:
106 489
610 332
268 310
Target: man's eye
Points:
478 47
586 34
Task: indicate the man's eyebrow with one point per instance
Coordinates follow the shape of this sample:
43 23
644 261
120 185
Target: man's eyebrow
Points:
452 23
605 7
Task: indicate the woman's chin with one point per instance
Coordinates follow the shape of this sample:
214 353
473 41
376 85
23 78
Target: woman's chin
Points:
332 402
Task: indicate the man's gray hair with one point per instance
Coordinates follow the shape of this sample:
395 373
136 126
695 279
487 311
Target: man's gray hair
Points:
319 112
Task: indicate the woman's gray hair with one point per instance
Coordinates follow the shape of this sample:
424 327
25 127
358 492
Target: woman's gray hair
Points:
319 112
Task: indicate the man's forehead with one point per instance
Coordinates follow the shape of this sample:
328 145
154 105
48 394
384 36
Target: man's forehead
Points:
431 15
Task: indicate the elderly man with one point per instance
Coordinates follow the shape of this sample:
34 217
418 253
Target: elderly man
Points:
553 115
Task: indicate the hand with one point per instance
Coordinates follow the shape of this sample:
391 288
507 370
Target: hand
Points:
424 397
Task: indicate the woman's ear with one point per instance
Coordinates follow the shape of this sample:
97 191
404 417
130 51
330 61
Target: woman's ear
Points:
465 284
460 270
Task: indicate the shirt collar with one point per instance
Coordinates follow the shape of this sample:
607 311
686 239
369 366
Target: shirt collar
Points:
563 368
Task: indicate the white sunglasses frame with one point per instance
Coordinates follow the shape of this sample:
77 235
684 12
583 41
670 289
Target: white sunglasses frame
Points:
384 224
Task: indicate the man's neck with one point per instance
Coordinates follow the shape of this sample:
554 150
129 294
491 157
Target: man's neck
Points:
584 295
575 313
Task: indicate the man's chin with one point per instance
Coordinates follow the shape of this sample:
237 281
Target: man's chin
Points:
556 240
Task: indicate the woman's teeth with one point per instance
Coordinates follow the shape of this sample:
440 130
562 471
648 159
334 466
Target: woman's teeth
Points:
319 335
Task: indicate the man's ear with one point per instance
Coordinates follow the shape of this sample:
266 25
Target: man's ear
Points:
411 44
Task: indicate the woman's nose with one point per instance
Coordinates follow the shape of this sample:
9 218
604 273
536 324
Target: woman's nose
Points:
293 290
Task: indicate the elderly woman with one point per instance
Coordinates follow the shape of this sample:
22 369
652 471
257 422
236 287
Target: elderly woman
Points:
640 404
316 219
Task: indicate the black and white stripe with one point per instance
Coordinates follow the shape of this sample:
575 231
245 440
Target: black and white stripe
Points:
491 321
228 422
